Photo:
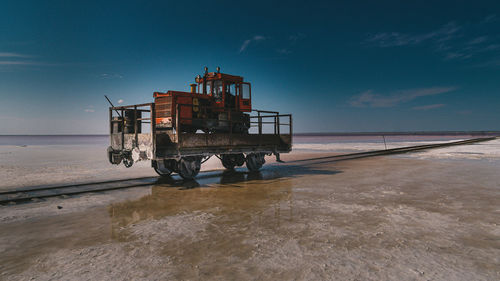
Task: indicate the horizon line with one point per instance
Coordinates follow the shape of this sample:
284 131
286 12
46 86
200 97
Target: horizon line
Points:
454 132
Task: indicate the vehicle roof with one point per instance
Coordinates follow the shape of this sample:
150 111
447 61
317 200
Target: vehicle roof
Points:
227 77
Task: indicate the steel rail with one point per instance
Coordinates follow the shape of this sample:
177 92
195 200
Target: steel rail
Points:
398 150
49 191
43 187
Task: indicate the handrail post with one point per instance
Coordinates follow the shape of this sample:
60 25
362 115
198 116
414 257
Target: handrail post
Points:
278 123
260 122
177 113
274 117
153 128
111 123
123 130
230 128
136 127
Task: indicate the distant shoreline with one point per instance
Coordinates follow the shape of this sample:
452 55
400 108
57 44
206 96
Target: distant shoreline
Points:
416 133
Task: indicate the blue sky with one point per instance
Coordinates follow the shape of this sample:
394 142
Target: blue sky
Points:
344 66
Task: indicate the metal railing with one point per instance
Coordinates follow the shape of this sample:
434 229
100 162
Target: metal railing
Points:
261 120
276 122
122 121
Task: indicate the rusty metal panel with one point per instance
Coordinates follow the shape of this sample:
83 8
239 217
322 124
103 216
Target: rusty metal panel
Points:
143 141
227 140
286 139
163 106
166 139
116 141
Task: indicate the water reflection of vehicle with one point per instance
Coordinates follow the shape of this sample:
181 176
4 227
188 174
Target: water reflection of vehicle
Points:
230 192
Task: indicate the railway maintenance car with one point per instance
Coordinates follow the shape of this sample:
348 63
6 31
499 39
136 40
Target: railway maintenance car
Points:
186 128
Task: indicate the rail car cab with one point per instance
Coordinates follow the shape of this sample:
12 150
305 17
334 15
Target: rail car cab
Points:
227 91
217 102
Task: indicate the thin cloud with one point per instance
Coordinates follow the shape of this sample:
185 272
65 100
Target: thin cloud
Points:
283 51
296 37
14 55
89 109
491 63
452 41
110 76
246 43
395 39
371 99
35 63
457 55
489 19
4 62
478 40
430 106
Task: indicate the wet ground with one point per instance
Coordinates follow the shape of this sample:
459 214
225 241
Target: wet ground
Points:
368 219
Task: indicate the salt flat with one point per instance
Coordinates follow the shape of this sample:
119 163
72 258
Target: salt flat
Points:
413 217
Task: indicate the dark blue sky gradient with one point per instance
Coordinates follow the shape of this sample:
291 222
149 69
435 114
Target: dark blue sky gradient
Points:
337 67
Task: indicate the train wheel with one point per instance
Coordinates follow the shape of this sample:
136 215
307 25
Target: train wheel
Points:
114 158
227 161
239 159
163 168
128 162
255 161
189 167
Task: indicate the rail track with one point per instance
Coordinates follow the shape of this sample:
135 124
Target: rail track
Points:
31 194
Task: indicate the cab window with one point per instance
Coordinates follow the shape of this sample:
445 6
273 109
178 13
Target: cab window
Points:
245 91
218 90
209 87
231 88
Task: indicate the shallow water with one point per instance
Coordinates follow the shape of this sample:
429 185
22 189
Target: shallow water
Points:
101 140
378 218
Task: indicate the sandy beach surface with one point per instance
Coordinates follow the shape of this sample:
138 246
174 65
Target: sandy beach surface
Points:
432 215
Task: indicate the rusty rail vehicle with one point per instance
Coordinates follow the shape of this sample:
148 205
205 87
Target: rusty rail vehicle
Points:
180 130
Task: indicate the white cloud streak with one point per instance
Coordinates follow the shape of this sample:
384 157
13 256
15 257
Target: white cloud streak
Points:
3 62
89 109
34 63
370 99
13 55
296 37
283 51
478 40
110 76
452 41
246 43
395 39
430 106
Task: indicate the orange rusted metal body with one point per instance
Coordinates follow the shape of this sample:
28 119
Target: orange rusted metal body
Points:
215 96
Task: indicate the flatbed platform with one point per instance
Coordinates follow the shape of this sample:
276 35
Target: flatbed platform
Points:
131 141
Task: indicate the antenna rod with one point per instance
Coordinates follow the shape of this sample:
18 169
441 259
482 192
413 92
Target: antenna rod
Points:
113 106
